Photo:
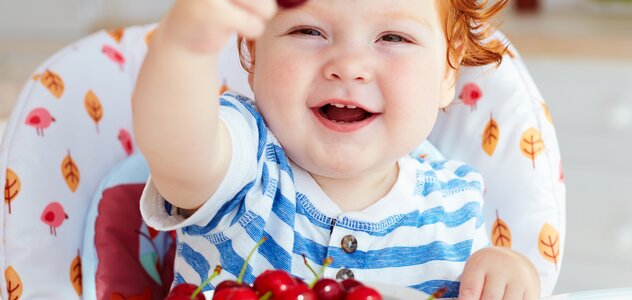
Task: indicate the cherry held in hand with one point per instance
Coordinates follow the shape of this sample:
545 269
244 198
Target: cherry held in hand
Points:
290 3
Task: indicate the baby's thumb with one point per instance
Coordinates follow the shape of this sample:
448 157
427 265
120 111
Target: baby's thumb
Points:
471 285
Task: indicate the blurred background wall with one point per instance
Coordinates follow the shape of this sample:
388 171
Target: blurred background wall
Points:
579 53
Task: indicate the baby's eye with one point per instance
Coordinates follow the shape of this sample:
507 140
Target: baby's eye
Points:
307 31
394 38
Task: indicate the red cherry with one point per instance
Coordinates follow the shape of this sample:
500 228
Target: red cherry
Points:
275 281
329 289
362 292
228 284
350 283
297 292
184 291
236 293
299 281
289 3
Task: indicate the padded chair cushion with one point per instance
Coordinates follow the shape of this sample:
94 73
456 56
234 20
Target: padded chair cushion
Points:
72 124
137 260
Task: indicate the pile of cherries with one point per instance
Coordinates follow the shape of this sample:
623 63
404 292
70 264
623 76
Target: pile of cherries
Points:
278 285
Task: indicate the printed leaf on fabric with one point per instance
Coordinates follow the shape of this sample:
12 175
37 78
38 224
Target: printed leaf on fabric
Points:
549 243
117 34
224 88
501 234
51 81
491 136
11 188
531 144
148 37
70 171
93 107
76 275
14 283
547 112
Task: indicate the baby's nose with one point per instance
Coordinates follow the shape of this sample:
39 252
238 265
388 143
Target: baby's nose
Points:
349 67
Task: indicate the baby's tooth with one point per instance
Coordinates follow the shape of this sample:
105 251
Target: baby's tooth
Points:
351 106
338 105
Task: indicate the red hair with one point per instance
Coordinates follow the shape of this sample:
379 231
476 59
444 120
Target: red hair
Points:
465 24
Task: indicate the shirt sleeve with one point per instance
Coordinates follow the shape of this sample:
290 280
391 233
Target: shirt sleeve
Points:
244 125
465 181
481 238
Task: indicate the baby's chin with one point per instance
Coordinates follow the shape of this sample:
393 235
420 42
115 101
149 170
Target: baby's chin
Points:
344 161
345 168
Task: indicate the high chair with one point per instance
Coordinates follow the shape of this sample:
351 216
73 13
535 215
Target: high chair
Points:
71 232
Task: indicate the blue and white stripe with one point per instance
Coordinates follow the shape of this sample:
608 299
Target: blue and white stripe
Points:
419 235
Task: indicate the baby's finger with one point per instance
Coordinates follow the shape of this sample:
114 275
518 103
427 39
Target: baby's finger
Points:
262 8
494 288
241 20
531 295
513 293
471 285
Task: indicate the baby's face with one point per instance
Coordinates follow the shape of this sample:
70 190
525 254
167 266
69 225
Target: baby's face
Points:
349 87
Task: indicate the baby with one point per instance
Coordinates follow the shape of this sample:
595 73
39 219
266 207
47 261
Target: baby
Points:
319 161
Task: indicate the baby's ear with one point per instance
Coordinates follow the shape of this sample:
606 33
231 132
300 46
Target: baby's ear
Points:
251 73
448 88
248 60
251 79
451 74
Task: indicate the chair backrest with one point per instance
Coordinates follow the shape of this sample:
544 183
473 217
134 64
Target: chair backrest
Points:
72 124
501 125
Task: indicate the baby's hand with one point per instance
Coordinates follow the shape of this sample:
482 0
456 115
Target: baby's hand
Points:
204 26
499 273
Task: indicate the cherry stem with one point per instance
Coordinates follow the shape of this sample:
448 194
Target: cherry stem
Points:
240 278
218 269
266 296
308 265
328 261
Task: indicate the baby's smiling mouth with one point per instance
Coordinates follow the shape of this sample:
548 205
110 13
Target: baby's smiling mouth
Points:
341 113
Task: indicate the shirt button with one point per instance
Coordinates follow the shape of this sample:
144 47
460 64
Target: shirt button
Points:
344 274
349 243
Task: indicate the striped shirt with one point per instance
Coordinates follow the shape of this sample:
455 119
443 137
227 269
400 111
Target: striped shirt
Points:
419 235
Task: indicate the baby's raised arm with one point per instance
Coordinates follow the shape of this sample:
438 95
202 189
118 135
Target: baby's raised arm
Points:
175 102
